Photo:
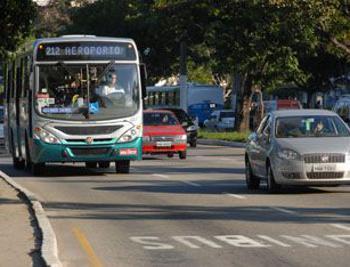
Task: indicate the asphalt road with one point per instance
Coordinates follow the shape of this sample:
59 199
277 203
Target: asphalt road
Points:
194 212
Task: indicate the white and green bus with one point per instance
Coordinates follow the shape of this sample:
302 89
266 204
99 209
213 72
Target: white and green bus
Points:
57 108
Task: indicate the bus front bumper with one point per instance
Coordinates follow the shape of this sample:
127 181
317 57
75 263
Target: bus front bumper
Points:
43 152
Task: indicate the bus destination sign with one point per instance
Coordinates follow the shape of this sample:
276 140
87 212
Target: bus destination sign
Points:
69 51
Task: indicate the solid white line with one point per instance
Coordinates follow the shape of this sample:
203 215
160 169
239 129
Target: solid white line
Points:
340 226
283 210
235 196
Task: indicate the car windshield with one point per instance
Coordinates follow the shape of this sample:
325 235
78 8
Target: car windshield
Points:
182 116
159 119
310 126
87 91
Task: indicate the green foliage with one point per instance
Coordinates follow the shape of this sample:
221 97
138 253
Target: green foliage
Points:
228 136
16 22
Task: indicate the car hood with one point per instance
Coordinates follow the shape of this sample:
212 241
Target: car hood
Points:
316 145
163 130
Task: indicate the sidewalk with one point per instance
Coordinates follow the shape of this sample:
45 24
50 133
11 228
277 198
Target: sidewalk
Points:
17 239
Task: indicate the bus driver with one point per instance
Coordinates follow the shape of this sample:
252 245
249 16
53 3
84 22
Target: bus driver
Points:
111 87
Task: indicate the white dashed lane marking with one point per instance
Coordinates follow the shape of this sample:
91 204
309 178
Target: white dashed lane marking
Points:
182 181
235 196
340 226
284 210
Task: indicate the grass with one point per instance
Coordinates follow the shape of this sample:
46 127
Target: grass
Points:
228 136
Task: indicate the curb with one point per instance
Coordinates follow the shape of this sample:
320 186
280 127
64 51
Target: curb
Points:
49 251
216 142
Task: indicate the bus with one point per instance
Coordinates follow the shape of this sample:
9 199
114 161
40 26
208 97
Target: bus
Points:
54 108
202 100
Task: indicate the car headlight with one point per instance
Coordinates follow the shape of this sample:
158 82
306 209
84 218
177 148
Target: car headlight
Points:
130 135
191 128
180 138
146 139
288 154
45 136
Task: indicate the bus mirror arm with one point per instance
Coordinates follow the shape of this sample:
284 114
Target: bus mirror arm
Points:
143 73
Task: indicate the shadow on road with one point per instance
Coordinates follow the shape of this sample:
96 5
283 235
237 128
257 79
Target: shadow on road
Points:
94 211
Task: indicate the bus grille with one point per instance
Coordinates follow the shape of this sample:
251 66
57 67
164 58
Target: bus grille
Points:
88 130
89 151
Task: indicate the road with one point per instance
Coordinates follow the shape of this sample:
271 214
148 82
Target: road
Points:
194 212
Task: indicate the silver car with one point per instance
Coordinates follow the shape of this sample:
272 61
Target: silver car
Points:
298 147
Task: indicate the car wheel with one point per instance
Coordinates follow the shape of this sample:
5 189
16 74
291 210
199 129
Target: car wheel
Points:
272 186
193 143
182 155
37 168
104 164
91 164
122 166
251 180
170 155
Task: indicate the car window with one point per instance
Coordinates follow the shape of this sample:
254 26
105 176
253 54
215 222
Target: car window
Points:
310 126
227 115
1 116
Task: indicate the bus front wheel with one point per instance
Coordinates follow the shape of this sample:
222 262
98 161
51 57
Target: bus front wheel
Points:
122 166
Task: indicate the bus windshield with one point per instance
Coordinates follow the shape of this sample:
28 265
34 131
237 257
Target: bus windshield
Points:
87 91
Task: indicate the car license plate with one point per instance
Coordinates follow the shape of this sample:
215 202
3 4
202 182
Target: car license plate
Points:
163 144
324 168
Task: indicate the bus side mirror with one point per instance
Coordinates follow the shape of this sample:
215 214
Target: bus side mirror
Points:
143 73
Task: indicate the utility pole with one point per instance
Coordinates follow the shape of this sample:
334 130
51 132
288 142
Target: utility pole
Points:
183 76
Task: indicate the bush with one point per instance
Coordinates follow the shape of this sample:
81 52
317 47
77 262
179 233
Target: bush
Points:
228 136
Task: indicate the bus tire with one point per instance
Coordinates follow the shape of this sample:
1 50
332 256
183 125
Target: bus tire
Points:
104 164
17 163
38 168
182 155
91 164
122 166
28 163
193 144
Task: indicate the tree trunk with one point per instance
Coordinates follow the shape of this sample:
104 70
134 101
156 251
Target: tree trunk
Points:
245 114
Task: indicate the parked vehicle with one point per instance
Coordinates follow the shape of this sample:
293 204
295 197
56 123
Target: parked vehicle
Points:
187 123
298 147
2 137
221 120
201 100
342 108
163 134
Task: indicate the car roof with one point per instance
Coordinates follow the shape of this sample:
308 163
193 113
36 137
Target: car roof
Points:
302 112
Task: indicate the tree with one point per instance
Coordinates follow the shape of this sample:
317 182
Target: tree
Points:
16 22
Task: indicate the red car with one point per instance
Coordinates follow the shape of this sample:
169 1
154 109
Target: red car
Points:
163 134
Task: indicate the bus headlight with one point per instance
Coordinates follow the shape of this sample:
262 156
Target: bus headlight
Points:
181 138
130 135
45 136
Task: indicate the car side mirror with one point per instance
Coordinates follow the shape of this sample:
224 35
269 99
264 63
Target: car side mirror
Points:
253 137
